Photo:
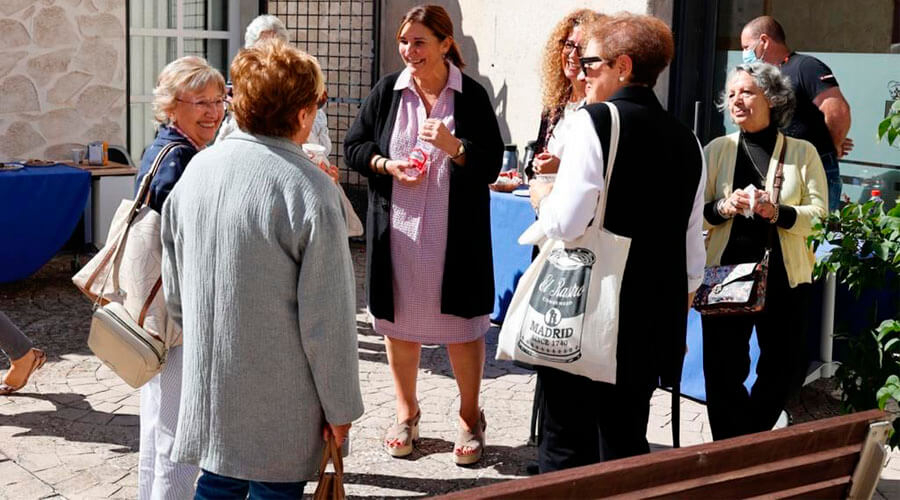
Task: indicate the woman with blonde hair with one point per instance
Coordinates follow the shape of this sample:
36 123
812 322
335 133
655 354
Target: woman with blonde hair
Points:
257 270
188 106
562 91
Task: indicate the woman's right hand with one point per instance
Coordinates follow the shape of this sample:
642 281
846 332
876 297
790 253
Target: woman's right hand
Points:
735 204
397 168
545 163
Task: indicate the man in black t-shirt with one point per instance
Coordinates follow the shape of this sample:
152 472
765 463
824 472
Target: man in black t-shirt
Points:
822 116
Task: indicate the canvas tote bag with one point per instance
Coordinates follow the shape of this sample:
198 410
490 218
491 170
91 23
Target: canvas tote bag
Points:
565 311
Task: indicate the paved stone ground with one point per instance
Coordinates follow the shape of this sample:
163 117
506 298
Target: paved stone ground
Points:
73 431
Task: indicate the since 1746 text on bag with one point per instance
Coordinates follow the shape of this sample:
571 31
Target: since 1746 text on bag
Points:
565 311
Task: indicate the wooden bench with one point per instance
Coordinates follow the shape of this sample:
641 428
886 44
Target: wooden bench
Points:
839 457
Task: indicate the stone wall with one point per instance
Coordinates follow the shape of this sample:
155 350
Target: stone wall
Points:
62 76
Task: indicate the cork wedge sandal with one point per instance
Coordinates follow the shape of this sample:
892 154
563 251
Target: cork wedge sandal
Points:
405 433
473 441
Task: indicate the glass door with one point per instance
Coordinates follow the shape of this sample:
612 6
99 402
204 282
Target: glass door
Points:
860 43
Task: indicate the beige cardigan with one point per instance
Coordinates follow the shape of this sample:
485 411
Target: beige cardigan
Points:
804 188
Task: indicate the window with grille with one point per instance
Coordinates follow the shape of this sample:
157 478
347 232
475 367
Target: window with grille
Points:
342 35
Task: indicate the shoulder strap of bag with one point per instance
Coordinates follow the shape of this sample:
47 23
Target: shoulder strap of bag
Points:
140 200
614 127
776 188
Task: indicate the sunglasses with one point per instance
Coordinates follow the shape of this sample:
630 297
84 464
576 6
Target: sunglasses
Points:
585 61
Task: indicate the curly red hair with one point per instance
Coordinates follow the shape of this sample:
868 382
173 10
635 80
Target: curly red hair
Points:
272 83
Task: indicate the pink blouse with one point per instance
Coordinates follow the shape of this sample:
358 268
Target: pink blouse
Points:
419 228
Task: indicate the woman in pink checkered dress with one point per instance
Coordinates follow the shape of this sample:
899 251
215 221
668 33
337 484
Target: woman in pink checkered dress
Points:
429 270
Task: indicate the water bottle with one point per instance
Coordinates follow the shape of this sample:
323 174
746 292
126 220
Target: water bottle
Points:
510 158
875 195
418 157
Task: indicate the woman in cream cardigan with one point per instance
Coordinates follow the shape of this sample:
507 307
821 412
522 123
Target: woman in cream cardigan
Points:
759 100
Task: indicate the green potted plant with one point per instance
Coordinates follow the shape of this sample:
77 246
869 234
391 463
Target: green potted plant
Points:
889 128
865 256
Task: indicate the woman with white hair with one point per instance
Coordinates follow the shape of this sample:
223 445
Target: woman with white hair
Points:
760 101
188 105
269 26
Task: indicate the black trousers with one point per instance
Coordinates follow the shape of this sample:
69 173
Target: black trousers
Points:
585 422
781 332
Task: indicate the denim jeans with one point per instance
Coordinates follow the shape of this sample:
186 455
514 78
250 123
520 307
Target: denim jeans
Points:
212 486
835 185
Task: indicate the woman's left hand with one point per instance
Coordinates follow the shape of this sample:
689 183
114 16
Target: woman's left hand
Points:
763 206
435 132
538 191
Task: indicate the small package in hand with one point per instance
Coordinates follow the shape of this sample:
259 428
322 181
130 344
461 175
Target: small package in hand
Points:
98 153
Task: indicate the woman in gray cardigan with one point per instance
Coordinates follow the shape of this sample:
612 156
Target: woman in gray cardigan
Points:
257 271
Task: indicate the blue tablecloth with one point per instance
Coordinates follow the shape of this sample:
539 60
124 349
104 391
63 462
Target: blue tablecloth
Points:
39 209
510 216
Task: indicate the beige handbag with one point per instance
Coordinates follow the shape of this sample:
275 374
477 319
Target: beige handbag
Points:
131 330
126 348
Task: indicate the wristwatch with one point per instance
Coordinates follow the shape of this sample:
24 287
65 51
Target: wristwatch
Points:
461 150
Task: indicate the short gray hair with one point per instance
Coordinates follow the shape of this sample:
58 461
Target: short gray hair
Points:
774 85
185 74
265 24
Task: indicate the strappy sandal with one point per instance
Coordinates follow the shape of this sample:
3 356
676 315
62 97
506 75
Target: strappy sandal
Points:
473 441
405 432
39 359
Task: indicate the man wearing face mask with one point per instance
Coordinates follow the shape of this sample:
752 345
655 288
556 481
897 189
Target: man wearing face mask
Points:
822 116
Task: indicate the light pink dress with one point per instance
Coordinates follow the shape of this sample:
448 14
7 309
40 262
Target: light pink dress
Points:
419 229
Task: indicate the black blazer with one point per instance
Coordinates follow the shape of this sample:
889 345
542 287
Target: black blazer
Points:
650 198
467 289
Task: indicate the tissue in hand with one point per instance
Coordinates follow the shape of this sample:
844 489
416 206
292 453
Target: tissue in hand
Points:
751 192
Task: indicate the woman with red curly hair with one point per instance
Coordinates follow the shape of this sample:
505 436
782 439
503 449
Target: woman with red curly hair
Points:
563 92
257 271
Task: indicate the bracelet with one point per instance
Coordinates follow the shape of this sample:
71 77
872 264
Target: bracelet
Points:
384 169
719 206
774 218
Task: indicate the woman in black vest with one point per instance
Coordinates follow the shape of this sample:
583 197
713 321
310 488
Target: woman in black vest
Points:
656 199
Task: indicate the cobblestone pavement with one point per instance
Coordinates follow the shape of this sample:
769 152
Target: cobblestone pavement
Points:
73 431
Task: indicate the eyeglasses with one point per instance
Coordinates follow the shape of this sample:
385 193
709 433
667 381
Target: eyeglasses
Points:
211 105
322 100
568 46
585 61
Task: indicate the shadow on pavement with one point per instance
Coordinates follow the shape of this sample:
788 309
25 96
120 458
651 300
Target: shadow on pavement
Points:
75 420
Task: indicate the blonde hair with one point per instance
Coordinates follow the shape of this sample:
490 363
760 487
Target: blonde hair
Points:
555 86
272 83
185 74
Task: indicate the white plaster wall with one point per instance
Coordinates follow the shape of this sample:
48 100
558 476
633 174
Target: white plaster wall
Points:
502 41
62 76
